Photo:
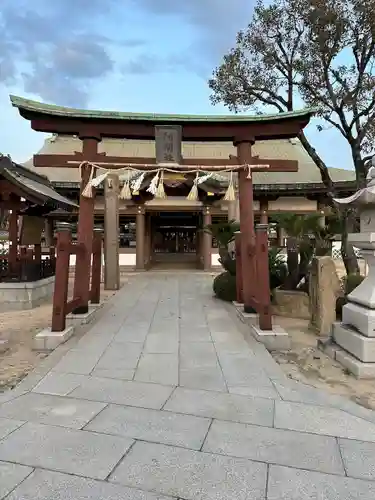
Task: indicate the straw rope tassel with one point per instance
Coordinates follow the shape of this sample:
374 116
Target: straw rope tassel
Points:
160 192
137 183
193 195
87 191
125 193
152 188
230 195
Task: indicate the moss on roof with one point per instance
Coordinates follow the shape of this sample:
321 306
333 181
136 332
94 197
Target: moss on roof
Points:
53 110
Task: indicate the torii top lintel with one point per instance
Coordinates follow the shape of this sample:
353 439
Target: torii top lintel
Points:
90 123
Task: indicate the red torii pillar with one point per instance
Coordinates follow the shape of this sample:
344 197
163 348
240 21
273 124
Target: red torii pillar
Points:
245 193
85 225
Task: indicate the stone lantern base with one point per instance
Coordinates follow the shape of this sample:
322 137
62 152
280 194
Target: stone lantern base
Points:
356 333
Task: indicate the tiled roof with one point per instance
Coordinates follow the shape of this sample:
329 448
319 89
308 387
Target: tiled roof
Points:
288 149
53 110
31 183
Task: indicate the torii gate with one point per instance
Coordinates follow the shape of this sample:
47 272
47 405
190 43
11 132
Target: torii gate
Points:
91 126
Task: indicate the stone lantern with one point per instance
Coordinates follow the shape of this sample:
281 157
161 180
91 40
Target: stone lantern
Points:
356 333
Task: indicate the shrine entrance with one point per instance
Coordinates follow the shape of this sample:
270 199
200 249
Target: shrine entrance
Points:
175 239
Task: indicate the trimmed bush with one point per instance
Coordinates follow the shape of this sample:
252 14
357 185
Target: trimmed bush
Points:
224 286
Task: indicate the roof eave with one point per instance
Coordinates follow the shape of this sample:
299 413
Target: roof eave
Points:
29 110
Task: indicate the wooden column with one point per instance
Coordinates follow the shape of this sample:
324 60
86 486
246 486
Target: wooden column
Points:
96 273
263 211
60 294
48 232
85 228
140 239
263 295
111 233
13 239
148 241
206 240
245 187
239 284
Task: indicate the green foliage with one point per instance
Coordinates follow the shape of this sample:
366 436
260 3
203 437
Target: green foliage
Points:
277 267
224 286
223 232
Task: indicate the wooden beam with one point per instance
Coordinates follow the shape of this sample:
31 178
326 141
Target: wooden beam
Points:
62 161
282 128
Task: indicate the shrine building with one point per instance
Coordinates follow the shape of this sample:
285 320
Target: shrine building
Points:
154 231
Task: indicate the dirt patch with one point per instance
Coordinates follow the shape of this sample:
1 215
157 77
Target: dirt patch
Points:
19 328
304 362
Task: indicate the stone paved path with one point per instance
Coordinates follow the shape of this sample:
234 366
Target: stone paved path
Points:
163 398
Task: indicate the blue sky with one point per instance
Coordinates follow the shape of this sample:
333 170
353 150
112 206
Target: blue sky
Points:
128 55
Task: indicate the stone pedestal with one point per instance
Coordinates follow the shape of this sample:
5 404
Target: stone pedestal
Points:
356 333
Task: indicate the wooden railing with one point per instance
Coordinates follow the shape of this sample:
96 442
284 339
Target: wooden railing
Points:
27 265
261 299
65 248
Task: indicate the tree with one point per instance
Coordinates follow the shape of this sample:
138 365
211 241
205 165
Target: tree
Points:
317 53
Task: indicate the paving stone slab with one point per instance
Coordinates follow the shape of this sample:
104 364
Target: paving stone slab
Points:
123 392
191 475
11 475
240 370
209 378
158 369
285 483
322 420
80 361
47 485
275 446
291 390
152 425
117 355
52 410
9 425
115 373
59 384
222 406
197 355
359 458
190 333
256 391
162 344
82 453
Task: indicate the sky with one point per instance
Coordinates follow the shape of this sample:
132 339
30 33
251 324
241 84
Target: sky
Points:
126 55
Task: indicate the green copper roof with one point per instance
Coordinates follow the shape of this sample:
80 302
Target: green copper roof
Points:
53 110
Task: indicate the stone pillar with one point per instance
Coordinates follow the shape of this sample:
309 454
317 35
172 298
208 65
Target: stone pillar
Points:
206 241
111 233
140 238
280 236
85 227
245 187
48 232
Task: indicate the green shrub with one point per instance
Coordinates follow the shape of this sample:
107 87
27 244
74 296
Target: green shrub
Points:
277 268
224 286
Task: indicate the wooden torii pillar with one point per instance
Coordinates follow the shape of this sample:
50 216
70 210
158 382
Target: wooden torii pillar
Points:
85 233
246 198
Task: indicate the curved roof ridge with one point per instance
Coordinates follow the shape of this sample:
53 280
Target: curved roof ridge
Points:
54 110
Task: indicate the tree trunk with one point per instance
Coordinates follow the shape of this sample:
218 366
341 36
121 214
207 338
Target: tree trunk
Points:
347 251
292 262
